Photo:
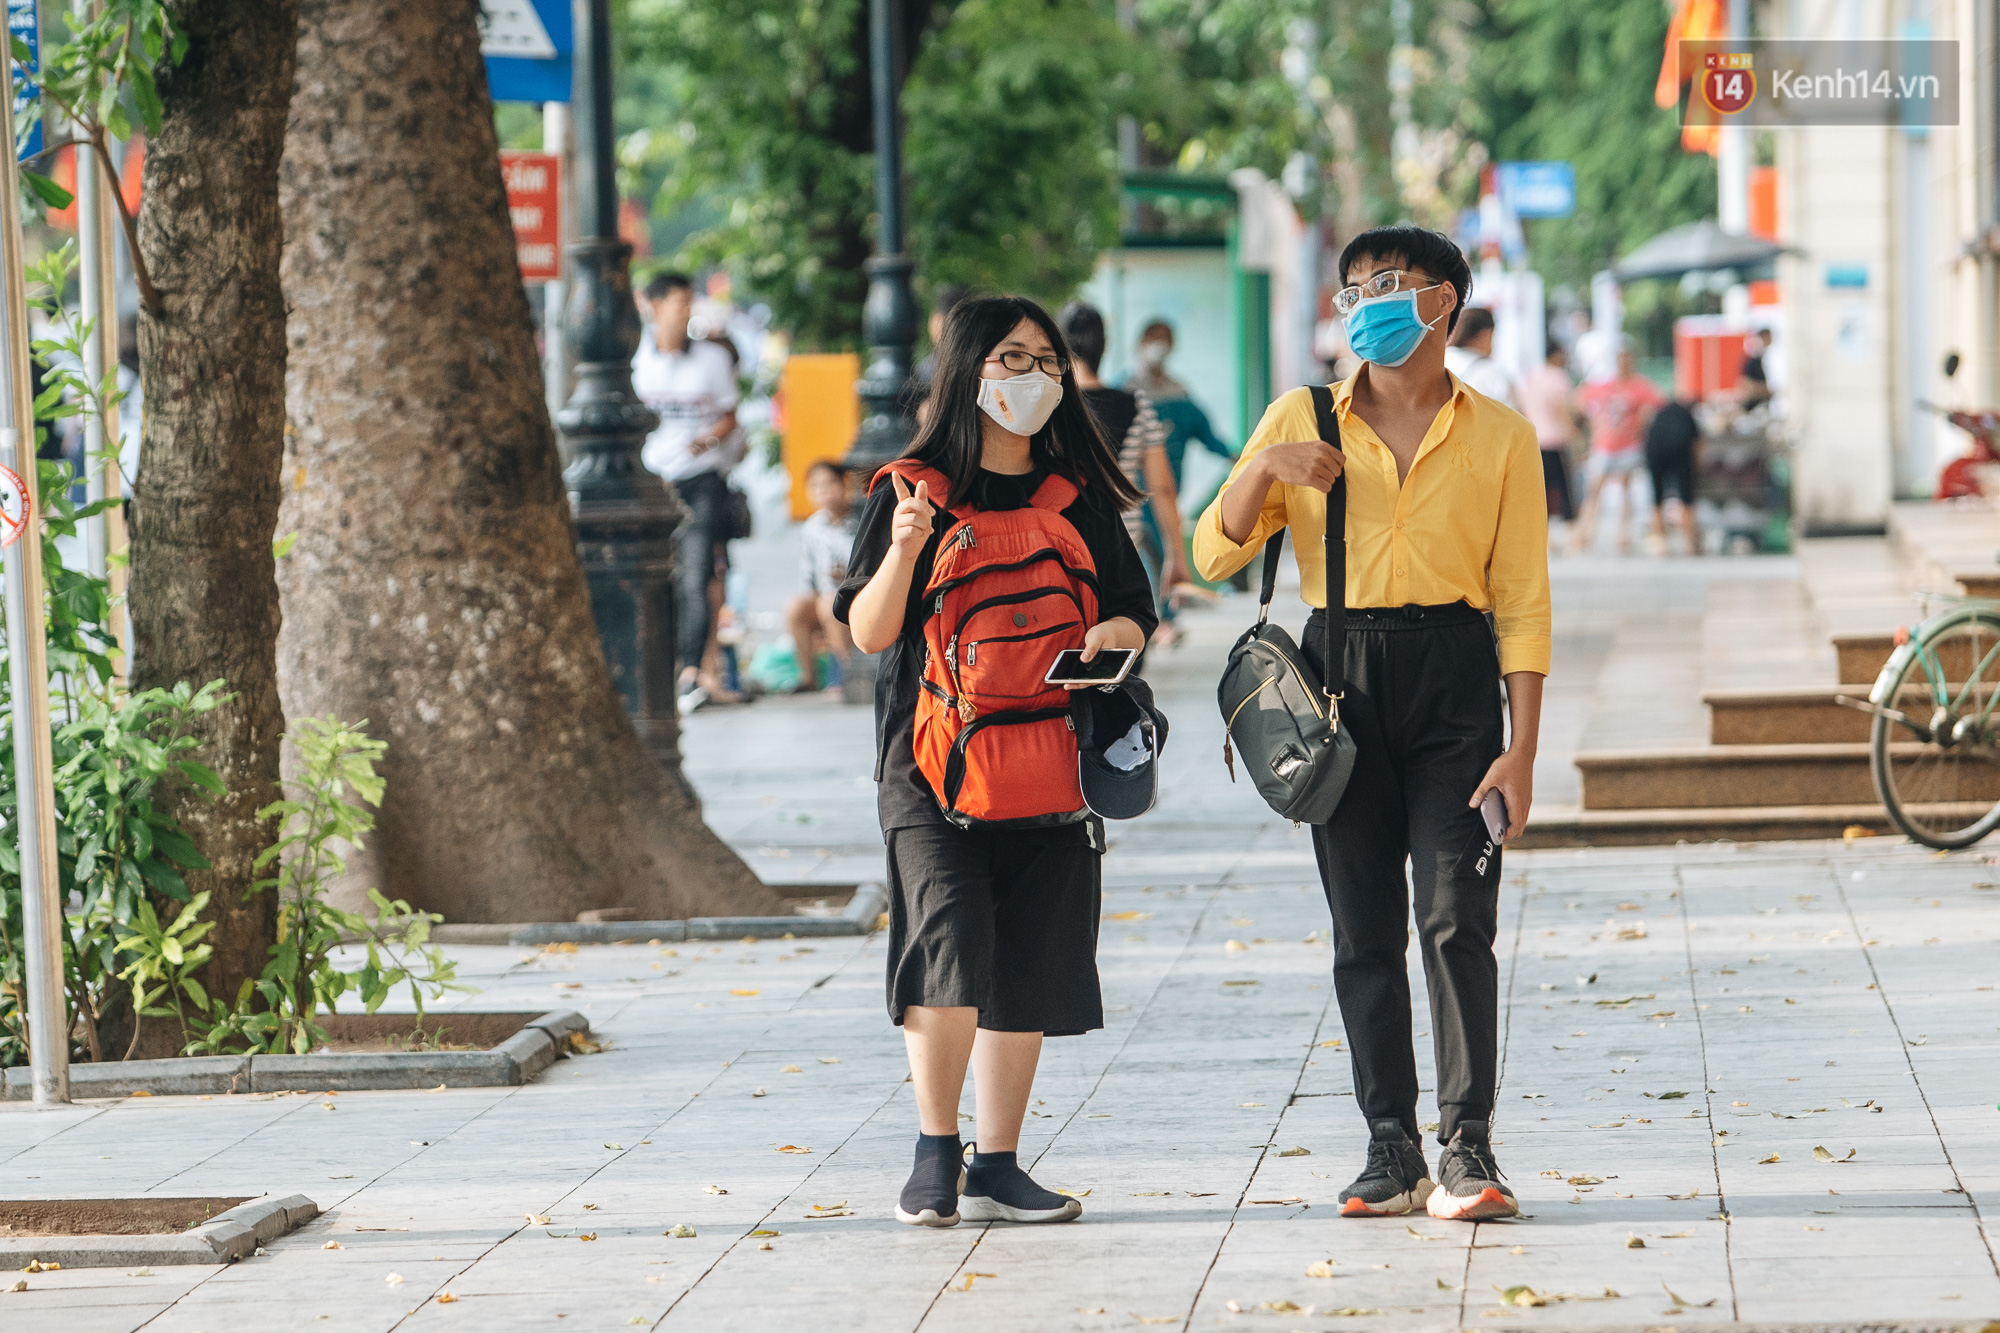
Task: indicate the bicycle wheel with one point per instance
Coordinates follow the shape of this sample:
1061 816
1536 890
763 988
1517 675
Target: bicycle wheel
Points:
1938 774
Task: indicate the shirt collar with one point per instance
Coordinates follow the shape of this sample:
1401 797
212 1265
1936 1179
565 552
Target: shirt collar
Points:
1343 394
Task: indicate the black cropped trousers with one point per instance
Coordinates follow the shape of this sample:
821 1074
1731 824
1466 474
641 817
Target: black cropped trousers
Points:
1423 705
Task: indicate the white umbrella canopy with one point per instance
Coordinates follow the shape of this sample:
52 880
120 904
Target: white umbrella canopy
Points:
1696 247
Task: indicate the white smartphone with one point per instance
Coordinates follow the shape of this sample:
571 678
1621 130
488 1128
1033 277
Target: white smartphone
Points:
1494 808
1110 666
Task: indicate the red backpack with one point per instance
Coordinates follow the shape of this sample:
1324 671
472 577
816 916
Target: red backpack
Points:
1010 589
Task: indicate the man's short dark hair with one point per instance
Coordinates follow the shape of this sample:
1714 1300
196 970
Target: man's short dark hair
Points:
1476 320
1419 248
660 284
949 294
1084 327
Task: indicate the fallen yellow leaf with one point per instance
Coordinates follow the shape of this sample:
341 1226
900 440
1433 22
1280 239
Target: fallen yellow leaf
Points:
1351 1311
1128 916
1235 946
1284 1307
394 1279
333 1245
1766 1161
538 1219
1632 1242
794 1148
1323 1268
1420 1235
588 1235
1586 1180
743 990
681 1231
446 1298
829 1059
1296 1152
791 1069
140 1092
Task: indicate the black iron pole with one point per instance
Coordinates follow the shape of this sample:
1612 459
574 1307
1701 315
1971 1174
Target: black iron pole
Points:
625 516
889 317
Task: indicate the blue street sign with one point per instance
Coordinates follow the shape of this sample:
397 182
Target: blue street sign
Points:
527 45
1538 189
24 22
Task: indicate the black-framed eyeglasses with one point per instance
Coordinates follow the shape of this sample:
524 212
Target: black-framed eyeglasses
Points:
1385 283
1022 362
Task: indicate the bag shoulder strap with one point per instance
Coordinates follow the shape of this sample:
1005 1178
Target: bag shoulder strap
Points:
1336 552
1055 494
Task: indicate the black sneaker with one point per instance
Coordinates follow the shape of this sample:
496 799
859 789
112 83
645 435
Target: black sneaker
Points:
998 1190
930 1196
1470 1188
1395 1181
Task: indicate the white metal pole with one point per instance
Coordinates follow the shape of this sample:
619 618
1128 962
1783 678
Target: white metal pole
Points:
27 642
556 356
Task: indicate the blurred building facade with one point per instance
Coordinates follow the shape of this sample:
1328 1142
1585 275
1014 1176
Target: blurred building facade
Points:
1896 233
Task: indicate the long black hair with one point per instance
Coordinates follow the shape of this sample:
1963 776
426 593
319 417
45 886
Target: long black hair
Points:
1069 444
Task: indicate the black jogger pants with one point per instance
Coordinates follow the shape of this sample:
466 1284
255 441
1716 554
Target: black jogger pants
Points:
1423 706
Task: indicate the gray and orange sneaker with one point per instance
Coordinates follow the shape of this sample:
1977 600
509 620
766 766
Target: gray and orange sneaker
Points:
1395 1181
1469 1184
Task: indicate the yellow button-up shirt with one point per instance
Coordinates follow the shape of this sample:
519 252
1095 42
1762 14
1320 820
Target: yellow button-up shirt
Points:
1470 523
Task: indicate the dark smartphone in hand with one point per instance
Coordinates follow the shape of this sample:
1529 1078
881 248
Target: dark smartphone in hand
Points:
1494 808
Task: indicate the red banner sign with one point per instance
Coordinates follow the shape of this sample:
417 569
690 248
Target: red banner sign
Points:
534 201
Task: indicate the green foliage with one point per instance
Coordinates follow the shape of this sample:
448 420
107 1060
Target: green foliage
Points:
764 110
1558 80
105 55
279 1011
1013 180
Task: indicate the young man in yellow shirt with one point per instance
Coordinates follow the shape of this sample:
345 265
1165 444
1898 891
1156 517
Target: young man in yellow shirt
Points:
1447 525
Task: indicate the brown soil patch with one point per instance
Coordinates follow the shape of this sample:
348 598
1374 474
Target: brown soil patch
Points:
145 1216
440 1032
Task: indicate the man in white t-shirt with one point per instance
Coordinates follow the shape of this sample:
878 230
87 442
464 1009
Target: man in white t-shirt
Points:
692 385
1470 357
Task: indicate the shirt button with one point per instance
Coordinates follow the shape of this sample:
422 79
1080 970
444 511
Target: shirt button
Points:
1399 525
1401 572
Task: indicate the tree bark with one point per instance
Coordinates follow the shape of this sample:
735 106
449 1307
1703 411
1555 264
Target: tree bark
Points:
204 595
435 590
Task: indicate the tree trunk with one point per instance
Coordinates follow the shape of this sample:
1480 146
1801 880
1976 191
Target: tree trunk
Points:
435 590
204 596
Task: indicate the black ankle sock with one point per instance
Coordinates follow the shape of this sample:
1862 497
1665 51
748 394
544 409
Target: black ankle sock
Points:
998 1176
933 1182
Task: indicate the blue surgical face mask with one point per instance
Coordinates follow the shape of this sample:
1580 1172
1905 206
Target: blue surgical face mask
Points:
1387 329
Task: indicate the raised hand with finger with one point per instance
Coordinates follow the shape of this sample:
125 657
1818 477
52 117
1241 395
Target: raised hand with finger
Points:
910 525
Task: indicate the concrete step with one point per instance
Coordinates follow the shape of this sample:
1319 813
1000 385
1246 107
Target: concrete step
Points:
1785 717
1862 654
1569 826
1743 775
1801 716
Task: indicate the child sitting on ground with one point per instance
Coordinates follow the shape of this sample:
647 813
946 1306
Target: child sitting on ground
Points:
826 538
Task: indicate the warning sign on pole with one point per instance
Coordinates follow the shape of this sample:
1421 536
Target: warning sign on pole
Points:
534 201
14 506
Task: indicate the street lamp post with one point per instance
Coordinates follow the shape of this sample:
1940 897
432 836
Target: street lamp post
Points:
625 516
889 317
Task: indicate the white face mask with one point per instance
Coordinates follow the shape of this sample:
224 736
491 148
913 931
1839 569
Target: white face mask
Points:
1023 404
1153 355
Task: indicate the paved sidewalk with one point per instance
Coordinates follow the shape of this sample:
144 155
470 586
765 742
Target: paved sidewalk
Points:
1673 1019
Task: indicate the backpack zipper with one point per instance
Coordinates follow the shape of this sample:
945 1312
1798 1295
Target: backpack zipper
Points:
972 648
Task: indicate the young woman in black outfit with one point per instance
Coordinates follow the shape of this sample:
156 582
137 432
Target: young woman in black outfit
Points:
993 928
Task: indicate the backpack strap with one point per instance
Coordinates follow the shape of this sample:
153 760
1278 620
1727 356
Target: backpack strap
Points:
1055 494
912 472
1336 552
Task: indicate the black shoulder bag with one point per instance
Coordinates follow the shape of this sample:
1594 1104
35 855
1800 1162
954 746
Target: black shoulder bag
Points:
1280 716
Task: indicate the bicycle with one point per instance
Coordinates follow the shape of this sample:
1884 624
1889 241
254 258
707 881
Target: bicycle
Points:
1934 751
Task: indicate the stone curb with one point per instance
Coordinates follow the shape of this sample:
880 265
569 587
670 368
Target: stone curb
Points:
225 1238
870 900
513 1062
